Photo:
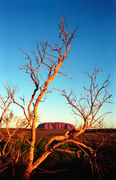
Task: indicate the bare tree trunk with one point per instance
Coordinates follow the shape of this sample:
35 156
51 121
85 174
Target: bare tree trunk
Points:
26 175
31 155
53 69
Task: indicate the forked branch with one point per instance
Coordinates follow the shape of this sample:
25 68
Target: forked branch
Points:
88 106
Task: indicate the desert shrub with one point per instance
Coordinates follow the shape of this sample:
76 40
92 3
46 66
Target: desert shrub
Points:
39 146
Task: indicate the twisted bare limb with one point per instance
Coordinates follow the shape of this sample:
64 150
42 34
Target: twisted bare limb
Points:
50 59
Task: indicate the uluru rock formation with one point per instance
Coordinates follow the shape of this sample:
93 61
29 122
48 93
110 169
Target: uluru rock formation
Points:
55 125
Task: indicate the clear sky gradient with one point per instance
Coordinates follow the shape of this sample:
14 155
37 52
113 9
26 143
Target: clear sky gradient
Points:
22 22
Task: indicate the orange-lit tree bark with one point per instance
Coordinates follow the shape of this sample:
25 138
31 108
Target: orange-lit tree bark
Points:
50 61
89 105
88 112
6 101
87 108
7 117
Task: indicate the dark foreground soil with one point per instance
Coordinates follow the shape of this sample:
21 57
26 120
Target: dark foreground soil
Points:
68 167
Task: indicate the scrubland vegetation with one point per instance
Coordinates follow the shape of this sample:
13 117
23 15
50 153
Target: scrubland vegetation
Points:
61 165
79 153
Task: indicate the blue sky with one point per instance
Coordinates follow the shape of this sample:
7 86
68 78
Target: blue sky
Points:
22 22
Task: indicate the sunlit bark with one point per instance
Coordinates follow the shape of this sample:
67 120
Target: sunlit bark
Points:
50 60
88 106
6 101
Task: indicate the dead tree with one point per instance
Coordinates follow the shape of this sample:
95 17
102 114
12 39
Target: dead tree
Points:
87 107
10 156
50 59
88 114
6 101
